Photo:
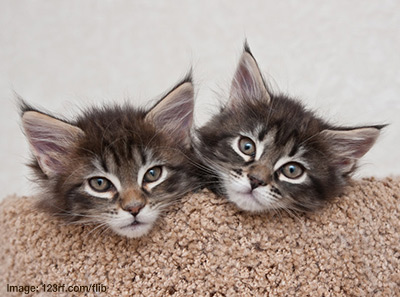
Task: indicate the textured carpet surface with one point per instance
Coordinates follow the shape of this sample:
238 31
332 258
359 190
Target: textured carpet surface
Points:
207 247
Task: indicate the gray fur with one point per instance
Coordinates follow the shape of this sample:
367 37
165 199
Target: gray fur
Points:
289 139
115 147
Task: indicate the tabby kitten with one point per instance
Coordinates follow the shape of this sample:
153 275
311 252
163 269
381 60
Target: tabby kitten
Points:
118 166
266 151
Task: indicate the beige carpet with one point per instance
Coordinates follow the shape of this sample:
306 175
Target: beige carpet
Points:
206 247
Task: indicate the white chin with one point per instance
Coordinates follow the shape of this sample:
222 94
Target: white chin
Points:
133 231
246 201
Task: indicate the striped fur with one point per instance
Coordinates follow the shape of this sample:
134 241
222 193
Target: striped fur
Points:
120 144
288 139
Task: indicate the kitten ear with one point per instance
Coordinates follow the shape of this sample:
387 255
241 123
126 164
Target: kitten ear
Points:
247 83
350 145
174 112
51 139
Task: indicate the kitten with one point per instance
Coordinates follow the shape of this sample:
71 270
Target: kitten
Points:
117 166
266 151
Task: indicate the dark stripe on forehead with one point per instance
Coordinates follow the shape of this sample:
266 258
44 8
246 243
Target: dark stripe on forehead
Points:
143 157
262 133
104 165
116 158
294 150
128 148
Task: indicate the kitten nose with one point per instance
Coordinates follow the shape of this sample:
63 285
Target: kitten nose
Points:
134 210
255 182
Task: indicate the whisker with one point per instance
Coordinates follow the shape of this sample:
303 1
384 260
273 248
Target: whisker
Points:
97 227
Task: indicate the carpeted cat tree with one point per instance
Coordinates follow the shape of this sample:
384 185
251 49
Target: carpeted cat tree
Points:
207 247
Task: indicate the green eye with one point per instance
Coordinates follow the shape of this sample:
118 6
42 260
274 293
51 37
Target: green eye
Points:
247 146
100 184
153 174
292 170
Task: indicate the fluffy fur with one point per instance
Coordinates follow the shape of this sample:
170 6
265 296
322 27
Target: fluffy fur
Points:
266 151
116 166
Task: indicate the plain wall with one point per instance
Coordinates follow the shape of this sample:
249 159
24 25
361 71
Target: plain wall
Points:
340 58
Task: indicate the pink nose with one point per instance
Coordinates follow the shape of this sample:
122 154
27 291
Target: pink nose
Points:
134 210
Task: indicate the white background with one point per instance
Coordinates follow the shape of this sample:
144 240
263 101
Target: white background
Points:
342 58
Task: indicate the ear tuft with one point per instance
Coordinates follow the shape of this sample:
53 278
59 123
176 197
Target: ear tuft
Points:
247 84
174 112
51 140
348 146
246 47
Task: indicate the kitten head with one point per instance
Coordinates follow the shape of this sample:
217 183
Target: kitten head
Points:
118 167
266 151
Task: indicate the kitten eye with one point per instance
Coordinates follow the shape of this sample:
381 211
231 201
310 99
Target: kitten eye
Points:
100 184
247 146
292 170
153 174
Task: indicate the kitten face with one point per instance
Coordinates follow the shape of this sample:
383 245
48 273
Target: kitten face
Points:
117 167
265 151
